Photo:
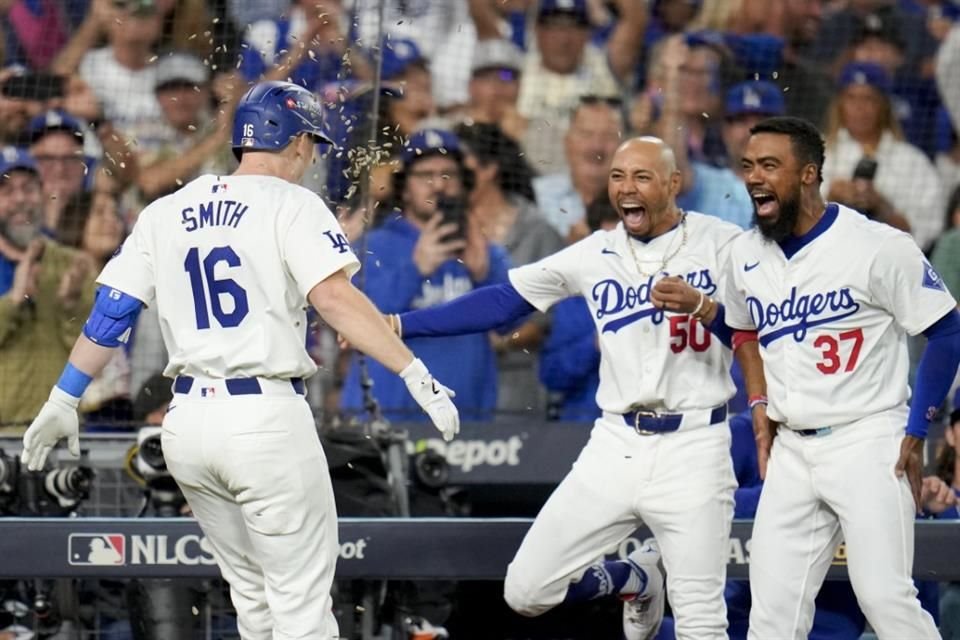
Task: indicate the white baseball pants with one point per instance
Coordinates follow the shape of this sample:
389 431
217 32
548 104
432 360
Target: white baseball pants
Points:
680 484
820 490
255 475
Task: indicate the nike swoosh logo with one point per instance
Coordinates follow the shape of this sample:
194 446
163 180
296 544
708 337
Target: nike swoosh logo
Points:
436 390
170 408
751 267
606 251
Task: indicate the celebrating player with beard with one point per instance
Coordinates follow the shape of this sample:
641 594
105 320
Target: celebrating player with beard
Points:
833 296
660 451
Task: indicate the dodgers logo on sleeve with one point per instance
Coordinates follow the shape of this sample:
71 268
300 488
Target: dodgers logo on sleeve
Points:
932 279
338 241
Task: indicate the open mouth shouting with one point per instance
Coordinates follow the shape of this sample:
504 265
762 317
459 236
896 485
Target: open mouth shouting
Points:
634 216
765 203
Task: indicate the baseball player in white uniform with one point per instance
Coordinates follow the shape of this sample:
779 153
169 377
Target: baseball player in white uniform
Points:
660 451
231 263
832 296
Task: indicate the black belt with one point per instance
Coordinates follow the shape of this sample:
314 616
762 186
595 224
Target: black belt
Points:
648 422
236 386
812 433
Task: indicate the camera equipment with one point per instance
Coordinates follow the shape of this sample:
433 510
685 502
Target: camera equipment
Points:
431 469
158 609
148 465
57 492
42 607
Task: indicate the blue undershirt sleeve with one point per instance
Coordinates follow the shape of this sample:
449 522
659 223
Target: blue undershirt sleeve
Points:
935 373
720 329
480 310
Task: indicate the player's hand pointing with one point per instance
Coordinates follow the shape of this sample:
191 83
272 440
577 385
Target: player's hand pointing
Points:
433 397
911 465
57 419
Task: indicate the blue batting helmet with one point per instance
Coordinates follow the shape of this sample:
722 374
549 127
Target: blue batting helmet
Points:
271 114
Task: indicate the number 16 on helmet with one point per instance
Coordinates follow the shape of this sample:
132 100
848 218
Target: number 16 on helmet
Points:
271 114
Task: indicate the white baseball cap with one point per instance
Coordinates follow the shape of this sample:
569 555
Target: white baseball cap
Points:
496 54
180 66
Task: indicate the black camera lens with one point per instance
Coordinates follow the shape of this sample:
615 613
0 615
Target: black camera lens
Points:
69 485
431 469
151 452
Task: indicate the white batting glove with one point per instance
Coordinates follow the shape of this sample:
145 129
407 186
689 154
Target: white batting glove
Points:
57 419
433 397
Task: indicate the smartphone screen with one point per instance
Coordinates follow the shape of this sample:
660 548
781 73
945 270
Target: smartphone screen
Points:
34 86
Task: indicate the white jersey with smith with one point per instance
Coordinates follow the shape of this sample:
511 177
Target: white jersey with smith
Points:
229 262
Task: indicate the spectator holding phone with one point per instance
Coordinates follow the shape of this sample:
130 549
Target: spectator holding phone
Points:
427 253
502 202
897 183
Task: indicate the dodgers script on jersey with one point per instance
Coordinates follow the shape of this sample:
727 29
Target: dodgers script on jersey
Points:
230 262
656 359
846 339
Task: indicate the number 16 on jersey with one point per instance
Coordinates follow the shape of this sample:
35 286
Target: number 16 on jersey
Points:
209 296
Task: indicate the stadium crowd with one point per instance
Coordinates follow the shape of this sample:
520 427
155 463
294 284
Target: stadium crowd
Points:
481 140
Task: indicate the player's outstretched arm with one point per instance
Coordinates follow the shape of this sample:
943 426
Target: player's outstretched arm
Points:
353 316
480 310
111 320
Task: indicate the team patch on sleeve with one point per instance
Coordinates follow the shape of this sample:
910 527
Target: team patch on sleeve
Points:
932 279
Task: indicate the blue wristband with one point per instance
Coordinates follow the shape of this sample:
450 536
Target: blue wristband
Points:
73 381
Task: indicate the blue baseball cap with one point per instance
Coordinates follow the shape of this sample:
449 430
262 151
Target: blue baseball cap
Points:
865 73
755 97
54 120
431 142
575 10
756 53
399 54
14 159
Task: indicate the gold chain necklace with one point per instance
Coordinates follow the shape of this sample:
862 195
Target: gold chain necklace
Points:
666 258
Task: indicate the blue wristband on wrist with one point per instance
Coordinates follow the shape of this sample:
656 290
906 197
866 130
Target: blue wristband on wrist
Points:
73 381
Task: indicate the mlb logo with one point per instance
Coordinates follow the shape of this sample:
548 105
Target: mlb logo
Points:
208 392
219 187
97 549
932 279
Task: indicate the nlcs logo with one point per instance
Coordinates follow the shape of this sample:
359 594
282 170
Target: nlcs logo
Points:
97 549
